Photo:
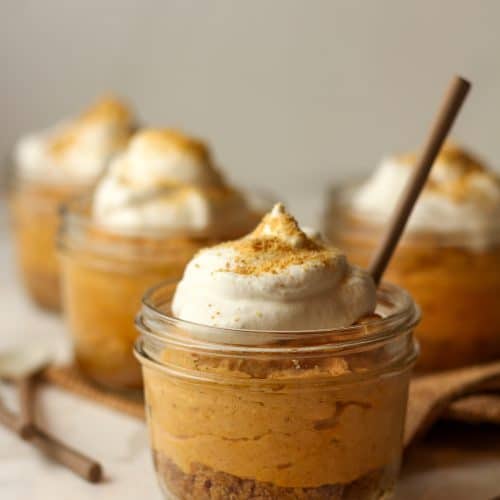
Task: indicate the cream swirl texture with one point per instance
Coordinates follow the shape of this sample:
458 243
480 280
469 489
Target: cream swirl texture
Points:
276 278
167 180
76 150
462 195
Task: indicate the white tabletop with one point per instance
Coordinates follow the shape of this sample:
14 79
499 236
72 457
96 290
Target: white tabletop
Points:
120 443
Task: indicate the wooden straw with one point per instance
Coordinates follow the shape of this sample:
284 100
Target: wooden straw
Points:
452 103
83 466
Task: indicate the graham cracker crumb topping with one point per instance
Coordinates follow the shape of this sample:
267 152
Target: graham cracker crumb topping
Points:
166 140
451 154
463 169
276 244
108 110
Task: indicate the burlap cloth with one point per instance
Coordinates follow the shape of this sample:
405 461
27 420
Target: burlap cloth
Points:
470 395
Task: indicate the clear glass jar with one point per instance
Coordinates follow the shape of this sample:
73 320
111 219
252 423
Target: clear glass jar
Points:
455 279
260 414
104 275
34 212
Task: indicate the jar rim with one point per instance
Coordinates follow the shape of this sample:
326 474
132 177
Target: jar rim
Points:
77 224
77 211
205 337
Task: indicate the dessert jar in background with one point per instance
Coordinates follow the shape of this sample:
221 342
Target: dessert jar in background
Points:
47 169
104 276
34 215
449 258
277 414
159 203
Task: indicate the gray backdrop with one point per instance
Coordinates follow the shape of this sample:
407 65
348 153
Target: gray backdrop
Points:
291 93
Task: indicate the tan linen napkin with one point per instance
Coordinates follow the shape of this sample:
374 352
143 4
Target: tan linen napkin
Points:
477 408
431 395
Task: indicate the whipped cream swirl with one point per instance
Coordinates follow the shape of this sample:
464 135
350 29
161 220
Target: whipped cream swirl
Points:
461 196
276 278
167 180
77 150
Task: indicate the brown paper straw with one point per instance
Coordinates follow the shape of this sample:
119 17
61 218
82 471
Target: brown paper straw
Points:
452 103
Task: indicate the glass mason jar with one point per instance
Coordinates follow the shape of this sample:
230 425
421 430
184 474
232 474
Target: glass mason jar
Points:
34 212
104 275
266 414
455 279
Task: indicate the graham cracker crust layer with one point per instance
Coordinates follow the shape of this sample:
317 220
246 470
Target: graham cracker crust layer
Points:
204 483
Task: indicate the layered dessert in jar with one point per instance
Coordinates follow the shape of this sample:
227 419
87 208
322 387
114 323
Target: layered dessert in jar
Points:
274 369
160 201
449 258
48 168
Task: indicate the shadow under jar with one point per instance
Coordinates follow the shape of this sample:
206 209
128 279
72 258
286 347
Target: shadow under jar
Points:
104 276
260 414
34 214
454 277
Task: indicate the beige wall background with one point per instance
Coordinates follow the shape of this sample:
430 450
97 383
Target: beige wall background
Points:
293 94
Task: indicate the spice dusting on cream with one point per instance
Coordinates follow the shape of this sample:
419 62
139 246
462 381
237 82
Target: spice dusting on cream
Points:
167 180
277 243
275 278
78 149
461 195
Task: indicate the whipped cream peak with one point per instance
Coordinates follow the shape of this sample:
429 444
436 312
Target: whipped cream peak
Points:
452 155
166 157
109 109
77 150
277 243
281 225
172 141
457 174
165 180
275 278
461 195
106 125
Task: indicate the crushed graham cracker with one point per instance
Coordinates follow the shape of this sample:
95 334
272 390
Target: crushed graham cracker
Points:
167 140
276 244
465 166
107 110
